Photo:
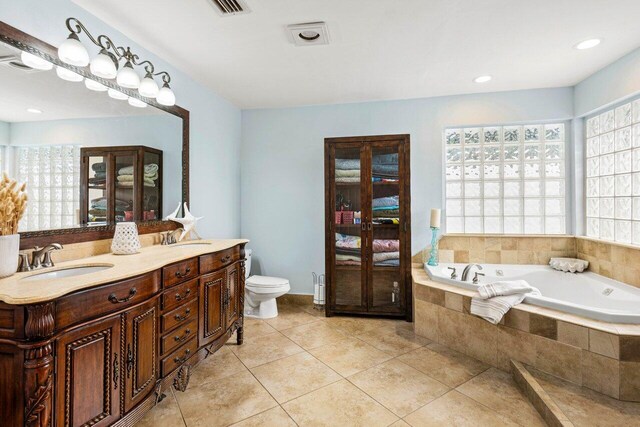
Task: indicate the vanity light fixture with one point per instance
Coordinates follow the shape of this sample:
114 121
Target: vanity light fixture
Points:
482 79
68 75
34 111
35 62
587 44
106 64
94 85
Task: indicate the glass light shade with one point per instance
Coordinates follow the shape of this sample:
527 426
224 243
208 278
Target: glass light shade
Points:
73 52
117 95
103 66
93 85
166 96
35 62
68 75
135 102
148 87
127 77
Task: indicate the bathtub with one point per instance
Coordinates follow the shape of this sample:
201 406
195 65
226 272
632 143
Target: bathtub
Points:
585 294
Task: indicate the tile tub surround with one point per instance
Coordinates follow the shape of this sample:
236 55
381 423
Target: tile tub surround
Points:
604 357
614 260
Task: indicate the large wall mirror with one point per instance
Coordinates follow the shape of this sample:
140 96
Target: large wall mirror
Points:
90 157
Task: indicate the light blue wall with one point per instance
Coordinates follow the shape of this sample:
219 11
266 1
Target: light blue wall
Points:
215 122
282 161
4 133
609 85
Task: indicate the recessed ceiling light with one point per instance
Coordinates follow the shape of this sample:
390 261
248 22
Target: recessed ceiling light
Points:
587 44
309 34
34 110
482 79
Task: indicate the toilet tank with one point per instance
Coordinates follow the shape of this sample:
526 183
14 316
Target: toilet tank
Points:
247 263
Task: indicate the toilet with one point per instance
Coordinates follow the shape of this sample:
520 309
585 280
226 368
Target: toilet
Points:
260 292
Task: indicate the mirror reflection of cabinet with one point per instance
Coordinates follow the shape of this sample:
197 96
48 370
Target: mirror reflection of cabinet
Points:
120 184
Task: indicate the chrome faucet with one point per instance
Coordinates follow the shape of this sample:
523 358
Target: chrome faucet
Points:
467 270
41 257
169 237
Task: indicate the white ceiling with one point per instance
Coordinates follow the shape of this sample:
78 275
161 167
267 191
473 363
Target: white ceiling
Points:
56 98
380 49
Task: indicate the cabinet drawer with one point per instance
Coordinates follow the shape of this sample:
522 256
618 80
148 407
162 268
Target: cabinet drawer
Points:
179 294
94 302
178 336
217 260
179 272
179 316
179 356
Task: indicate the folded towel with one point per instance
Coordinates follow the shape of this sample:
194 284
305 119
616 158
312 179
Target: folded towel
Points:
383 256
386 213
385 169
347 258
386 201
385 159
346 241
99 167
386 221
347 262
347 163
149 169
388 263
386 245
348 179
348 173
344 251
101 202
386 208
492 309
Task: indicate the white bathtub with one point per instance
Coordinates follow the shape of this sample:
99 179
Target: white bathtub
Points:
585 294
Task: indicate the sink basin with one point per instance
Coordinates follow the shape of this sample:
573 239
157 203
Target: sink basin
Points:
186 245
67 272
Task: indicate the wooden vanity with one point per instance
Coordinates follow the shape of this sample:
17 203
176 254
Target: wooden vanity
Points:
76 352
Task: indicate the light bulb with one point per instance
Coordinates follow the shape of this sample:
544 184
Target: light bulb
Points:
68 75
127 77
73 52
117 95
148 87
94 85
35 62
104 65
166 96
135 102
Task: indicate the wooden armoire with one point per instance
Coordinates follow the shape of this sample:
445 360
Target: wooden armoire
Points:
368 226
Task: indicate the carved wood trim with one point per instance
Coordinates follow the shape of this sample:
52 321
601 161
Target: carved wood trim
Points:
40 321
136 322
207 333
39 394
181 380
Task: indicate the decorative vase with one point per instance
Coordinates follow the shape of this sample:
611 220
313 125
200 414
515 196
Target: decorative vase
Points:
433 258
9 249
125 239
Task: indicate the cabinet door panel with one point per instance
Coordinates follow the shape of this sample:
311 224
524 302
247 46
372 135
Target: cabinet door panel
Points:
141 344
87 380
233 297
212 293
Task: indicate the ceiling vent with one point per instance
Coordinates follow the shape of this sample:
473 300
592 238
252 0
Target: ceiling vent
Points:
14 62
230 7
309 34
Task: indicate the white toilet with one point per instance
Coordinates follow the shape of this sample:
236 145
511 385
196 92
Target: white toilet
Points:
260 292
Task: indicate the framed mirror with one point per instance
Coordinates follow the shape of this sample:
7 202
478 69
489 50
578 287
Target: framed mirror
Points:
92 153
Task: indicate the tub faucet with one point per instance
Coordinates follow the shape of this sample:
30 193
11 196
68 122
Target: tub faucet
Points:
467 270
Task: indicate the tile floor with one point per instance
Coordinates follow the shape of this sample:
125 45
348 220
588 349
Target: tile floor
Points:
307 370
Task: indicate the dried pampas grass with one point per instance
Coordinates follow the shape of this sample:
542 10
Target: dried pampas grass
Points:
13 202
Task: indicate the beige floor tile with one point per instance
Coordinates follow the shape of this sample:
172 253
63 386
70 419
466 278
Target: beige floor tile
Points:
350 356
497 390
224 402
314 334
288 319
456 409
275 417
265 349
399 387
585 407
221 364
254 328
400 423
392 340
294 376
164 414
338 404
356 325
445 365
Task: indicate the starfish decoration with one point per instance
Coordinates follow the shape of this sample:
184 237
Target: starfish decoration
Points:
188 221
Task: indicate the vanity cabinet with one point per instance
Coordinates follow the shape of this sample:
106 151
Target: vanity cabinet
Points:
104 355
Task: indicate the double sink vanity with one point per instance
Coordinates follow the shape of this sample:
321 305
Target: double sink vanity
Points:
96 341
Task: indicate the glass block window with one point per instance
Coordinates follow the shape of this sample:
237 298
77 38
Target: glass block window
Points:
52 174
505 179
612 169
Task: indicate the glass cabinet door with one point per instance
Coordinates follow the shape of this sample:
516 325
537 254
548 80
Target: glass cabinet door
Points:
124 208
349 290
97 191
151 187
386 287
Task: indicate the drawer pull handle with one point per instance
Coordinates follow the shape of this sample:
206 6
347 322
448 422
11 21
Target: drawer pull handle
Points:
183 358
181 297
182 338
115 300
180 318
185 274
225 259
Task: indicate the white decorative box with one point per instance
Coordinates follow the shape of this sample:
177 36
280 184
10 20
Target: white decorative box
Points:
572 265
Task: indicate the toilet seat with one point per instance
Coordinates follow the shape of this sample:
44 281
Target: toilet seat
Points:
266 284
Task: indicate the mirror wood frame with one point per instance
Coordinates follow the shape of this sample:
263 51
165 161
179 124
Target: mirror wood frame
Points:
26 42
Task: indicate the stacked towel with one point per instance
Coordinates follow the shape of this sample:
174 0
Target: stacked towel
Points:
386 253
348 250
98 209
385 166
494 300
348 170
125 176
386 202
